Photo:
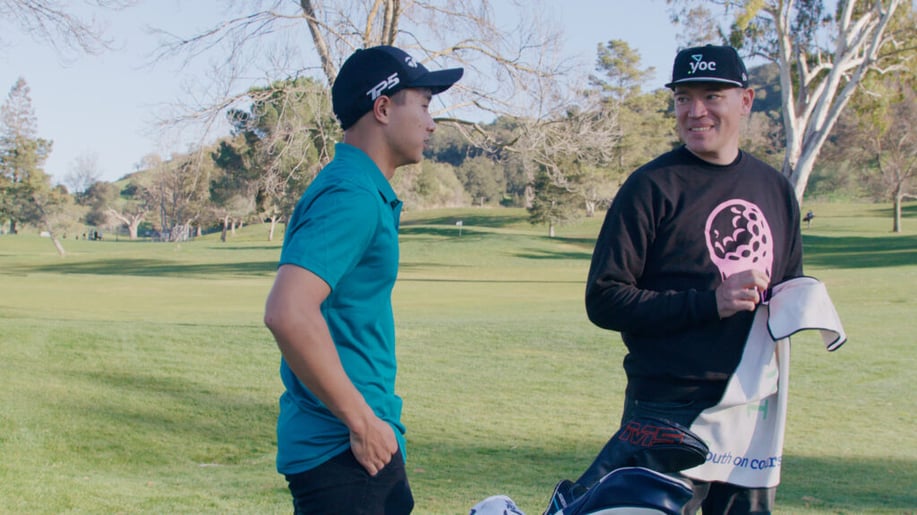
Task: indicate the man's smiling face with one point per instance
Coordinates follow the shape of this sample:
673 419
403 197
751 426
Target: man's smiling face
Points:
709 117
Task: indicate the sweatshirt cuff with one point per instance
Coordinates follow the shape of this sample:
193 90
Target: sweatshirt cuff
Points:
708 310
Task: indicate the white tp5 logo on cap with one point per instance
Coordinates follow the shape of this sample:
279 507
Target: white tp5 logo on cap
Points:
389 82
699 65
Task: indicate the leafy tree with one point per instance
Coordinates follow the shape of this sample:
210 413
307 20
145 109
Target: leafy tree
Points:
449 145
233 189
553 204
280 143
56 214
98 198
890 104
520 179
621 76
438 186
504 139
763 135
895 149
881 138
642 121
482 178
821 57
134 201
429 184
587 150
25 189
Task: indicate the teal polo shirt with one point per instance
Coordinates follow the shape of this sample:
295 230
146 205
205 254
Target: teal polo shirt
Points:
344 230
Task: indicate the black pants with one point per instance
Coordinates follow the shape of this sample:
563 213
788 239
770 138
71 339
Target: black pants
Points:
711 498
342 486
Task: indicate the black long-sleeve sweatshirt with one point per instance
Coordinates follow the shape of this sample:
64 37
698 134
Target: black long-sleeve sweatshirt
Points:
678 227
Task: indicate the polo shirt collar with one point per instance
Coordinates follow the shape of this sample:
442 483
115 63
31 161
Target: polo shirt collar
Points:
361 161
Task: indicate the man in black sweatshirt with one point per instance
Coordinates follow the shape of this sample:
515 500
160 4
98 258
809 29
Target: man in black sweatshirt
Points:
688 249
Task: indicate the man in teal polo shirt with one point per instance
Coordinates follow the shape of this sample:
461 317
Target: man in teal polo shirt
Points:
340 440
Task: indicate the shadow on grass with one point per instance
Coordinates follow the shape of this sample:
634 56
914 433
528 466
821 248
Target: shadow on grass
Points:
439 232
849 485
485 281
555 254
834 485
908 210
154 268
275 248
860 252
492 219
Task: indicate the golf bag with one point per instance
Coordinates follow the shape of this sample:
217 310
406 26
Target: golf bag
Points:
631 491
629 472
656 444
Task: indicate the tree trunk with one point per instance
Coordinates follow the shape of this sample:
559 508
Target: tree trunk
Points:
896 225
550 229
225 226
321 47
813 100
270 236
57 245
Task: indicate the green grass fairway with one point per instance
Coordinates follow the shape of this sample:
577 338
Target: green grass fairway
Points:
137 377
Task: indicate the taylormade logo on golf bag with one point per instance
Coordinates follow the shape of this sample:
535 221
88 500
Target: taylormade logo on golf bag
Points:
377 90
699 65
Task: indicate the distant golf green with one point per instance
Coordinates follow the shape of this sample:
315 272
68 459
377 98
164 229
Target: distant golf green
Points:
137 377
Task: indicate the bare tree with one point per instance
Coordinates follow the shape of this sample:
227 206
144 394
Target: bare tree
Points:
54 23
822 58
588 149
511 69
84 172
574 151
700 27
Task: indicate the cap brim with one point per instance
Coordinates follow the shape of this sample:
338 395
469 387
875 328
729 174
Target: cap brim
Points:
701 80
439 80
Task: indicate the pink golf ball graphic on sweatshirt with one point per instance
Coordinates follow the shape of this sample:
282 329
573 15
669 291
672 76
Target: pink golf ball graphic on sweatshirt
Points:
738 238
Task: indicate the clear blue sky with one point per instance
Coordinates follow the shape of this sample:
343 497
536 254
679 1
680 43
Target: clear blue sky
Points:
103 106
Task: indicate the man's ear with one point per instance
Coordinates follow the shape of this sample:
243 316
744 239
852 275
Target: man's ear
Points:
381 107
748 98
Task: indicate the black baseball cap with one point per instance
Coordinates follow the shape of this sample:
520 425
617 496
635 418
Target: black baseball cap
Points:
709 63
381 70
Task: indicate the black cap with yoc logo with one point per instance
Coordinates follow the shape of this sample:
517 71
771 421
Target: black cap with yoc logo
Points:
381 70
709 64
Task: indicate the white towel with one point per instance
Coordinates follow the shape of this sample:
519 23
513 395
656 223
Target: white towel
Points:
745 431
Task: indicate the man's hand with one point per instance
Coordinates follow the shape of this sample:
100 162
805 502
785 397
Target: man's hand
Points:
740 292
374 445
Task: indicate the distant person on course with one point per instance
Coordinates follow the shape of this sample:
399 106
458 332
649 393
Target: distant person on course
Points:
688 249
340 437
